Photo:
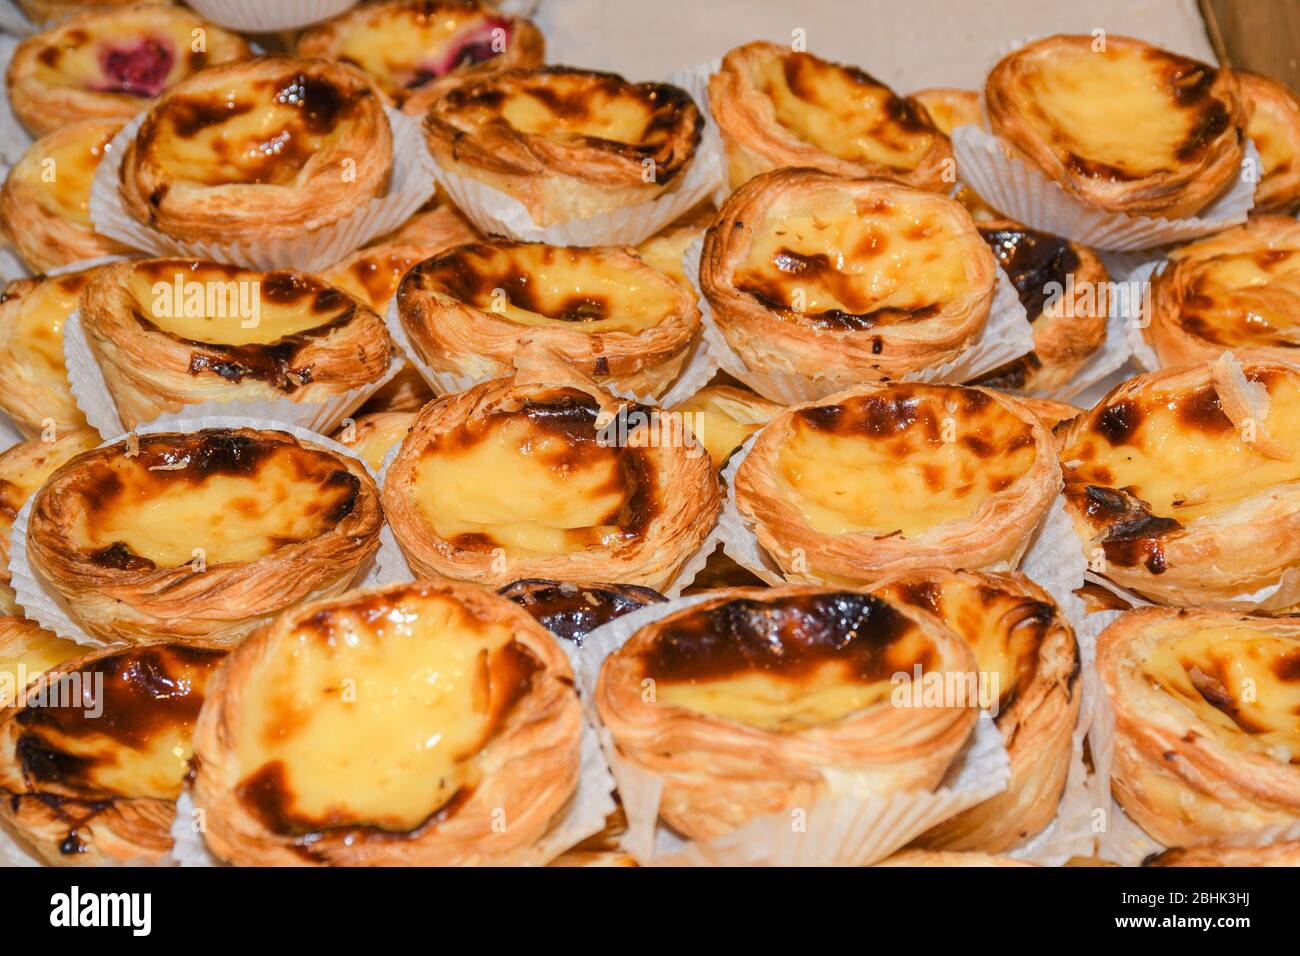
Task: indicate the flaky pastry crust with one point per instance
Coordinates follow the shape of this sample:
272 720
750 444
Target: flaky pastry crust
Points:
118 594
198 168
76 781
665 497
46 218
1274 128
1060 103
560 151
1196 695
528 766
906 144
1286 853
872 326
718 773
108 64
331 342
1013 626
1238 290
608 313
1002 450
1181 482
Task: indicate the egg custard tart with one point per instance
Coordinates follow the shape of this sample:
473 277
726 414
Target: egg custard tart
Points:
567 143
97 749
200 535
34 388
27 650
1129 128
1064 288
44 203
109 64
1274 128
267 149
745 703
1207 721
419 724
845 280
883 479
544 475
45 12
24 468
776 108
723 417
174 332
1237 291
572 611
1286 853
417 49
605 310
1028 666
373 272
1184 484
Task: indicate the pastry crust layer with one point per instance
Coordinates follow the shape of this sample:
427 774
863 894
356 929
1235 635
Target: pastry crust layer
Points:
1206 728
1274 128
609 314
883 479
778 108
465 715
1127 128
108 64
1182 483
174 332
742 702
848 280
201 535
567 143
1237 291
265 149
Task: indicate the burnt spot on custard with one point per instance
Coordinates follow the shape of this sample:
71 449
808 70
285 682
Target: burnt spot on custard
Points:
130 697
573 611
901 409
1034 261
574 96
790 638
1013 376
1133 534
473 273
571 416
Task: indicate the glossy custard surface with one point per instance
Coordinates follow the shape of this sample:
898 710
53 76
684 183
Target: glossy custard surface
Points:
37 336
1244 298
75 152
27 650
901 461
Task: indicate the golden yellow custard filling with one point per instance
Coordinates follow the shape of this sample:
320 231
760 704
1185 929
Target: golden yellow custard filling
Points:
1239 680
373 712
136 53
373 277
784 665
1119 109
21 475
119 725
535 482
723 419
569 107
902 461
26 651
37 338
63 172
1245 299
237 498
856 264
225 305
1182 455
586 290
844 112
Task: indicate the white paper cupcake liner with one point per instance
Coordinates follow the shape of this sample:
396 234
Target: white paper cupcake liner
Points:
41 603
14 138
410 187
845 828
96 401
696 371
1021 192
268 16
1007 335
1141 353
495 212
